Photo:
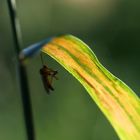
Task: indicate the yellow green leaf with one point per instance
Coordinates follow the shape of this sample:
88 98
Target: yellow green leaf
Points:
116 100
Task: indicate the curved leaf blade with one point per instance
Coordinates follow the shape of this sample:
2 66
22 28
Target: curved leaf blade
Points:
116 100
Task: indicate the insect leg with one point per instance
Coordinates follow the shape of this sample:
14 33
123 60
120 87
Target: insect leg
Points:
41 58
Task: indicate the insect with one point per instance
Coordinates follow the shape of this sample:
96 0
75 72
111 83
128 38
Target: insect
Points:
47 75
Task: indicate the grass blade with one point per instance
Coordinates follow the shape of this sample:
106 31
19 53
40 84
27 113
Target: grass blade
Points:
115 99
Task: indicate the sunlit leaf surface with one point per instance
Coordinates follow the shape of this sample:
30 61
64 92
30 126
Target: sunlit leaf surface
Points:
116 100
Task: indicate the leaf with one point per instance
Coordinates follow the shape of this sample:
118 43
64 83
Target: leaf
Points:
115 99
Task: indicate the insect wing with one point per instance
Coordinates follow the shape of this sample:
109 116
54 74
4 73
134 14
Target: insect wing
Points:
45 83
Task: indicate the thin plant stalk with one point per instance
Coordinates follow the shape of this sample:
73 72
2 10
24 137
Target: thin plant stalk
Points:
21 71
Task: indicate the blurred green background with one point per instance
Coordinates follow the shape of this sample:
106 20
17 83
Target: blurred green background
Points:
110 27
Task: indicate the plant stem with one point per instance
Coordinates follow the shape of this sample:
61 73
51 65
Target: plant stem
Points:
23 81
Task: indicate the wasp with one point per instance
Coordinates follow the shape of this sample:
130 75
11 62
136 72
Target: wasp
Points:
47 76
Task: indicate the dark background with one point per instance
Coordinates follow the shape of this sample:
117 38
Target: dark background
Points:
110 27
